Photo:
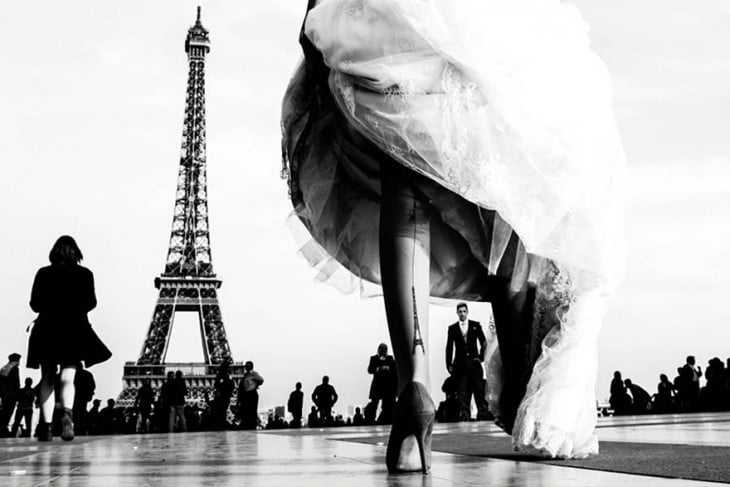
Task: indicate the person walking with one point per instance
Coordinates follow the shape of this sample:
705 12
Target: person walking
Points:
324 397
24 411
9 391
248 397
295 405
62 337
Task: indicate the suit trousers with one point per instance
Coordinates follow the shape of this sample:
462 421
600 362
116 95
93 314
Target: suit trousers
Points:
470 380
248 409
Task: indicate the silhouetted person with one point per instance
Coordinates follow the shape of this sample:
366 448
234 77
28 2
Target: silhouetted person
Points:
312 419
465 348
295 405
620 401
93 417
640 398
383 388
143 403
107 419
9 391
449 410
177 392
691 380
663 402
248 397
713 394
324 397
62 337
222 391
358 419
85 386
24 411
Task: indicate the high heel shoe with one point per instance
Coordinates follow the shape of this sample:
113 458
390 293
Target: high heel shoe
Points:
413 419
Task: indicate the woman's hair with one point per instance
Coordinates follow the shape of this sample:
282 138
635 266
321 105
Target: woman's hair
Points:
65 252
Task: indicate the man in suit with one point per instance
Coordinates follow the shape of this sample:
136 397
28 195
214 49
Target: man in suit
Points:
384 385
465 347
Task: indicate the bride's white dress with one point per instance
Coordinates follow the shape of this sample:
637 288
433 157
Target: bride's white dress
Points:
503 103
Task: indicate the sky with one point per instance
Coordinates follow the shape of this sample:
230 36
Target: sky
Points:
93 96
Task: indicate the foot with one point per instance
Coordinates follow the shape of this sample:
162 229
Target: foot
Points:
44 432
409 445
67 434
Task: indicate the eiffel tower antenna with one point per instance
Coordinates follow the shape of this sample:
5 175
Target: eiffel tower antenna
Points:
188 283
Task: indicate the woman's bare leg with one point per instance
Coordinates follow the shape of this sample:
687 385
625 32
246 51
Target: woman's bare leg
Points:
68 374
404 268
47 397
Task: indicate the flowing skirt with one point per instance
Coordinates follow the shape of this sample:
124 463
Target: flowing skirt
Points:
501 115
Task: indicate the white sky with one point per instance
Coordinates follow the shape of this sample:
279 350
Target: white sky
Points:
93 96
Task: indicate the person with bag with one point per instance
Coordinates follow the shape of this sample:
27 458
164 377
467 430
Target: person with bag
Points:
62 337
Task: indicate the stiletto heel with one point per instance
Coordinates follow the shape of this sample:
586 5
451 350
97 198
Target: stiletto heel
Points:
414 416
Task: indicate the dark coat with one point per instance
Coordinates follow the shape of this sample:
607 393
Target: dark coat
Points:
324 396
295 403
385 379
62 334
458 351
9 383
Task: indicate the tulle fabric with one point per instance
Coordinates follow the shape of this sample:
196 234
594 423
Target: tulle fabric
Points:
502 102
504 113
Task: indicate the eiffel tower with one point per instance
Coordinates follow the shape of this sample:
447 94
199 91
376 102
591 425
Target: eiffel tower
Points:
188 283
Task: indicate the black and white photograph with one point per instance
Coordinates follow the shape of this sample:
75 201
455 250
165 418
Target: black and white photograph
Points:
365 242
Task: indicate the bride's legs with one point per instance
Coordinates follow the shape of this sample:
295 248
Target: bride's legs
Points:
404 266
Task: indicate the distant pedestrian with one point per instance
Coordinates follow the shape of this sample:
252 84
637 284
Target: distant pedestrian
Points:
248 397
384 386
325 396
93 417
664 399
62 295
691 380
177 392
24 412
222 391
312 418
620 400
143 402
9 391
85 388
295 405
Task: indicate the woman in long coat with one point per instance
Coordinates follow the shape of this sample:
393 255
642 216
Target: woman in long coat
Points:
62 295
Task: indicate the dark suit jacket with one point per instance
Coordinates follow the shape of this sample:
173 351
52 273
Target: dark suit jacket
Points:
459 351
385 379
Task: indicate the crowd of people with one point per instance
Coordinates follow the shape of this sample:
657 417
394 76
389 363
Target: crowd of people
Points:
683 394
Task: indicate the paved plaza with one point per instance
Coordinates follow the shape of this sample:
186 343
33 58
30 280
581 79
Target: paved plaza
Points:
669 450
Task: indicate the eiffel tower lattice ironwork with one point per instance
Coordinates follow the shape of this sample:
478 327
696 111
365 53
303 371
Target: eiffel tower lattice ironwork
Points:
188 283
